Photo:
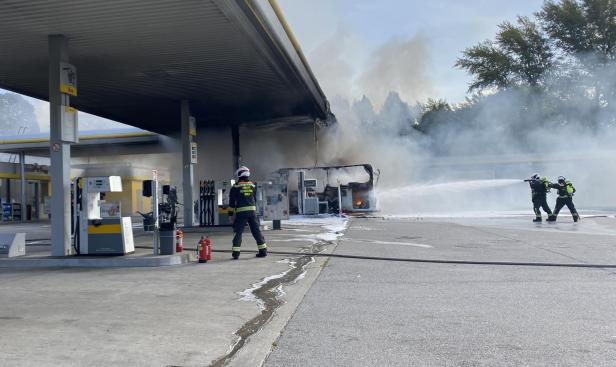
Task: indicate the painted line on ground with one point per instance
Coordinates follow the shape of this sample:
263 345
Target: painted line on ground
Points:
378 242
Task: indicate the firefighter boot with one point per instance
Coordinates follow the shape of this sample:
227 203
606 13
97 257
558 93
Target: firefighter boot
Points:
552 218
262 250
576 217
235 252
537 220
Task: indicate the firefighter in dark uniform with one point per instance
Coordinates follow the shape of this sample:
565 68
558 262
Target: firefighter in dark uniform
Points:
539 187
243 203
565 197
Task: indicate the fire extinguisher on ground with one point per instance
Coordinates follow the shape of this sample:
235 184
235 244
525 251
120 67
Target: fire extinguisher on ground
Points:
179 241
204 250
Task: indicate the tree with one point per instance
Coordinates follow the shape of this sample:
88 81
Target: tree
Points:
490 66
520 55
582 27
434 113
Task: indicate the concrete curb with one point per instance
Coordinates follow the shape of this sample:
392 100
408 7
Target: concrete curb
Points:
98 262
259 346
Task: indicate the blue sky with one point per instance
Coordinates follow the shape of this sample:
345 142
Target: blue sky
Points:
446 27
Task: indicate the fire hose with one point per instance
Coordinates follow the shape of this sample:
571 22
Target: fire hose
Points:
415 260
410 260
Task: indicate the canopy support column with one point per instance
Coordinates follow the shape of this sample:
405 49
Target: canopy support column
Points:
60 153
22 184
189 132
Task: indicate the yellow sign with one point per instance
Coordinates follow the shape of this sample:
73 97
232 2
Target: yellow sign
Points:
68 89
68 79
192 126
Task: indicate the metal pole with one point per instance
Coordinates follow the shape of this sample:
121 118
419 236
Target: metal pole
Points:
316 145
339 199
22 184
235 143
36 201
301 192
60 153
187 165
155 210
8 190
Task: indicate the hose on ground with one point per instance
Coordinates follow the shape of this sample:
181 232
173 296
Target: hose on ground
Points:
414 260
411 260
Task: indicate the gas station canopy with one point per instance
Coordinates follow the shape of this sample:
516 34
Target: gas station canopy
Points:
234 61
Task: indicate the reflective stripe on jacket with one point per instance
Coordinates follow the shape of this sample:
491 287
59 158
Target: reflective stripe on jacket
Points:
243 197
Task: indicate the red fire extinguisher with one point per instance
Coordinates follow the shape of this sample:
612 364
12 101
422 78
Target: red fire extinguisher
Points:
205 250
179 241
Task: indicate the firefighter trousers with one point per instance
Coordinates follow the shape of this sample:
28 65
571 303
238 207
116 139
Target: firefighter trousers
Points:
568 201
250 218
540 202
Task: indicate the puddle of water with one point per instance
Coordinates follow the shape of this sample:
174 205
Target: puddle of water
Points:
268 295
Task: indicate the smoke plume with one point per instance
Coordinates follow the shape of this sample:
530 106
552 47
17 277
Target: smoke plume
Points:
473 156
400 65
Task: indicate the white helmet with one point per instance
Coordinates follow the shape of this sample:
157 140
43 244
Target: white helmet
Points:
243 171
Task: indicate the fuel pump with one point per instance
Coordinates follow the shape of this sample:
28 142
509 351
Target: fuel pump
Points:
167 209
167 218
214 203
97 231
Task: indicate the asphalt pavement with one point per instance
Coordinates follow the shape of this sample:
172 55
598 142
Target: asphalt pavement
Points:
224 312
383 313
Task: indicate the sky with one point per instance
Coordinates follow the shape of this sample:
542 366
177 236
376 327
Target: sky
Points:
370 47
344 39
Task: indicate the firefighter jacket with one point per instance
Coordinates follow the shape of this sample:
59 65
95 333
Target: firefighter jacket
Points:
564 191
539 187
243 197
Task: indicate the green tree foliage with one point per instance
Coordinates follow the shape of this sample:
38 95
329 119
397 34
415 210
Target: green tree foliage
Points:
520 55
582 27
433 112
584 31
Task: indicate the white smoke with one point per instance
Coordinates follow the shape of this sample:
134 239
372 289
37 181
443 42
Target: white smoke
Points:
501 138
401 65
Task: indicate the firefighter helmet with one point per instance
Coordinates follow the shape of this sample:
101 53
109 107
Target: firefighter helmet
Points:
243 171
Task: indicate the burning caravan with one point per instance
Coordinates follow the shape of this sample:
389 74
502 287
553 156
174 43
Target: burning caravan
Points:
320 190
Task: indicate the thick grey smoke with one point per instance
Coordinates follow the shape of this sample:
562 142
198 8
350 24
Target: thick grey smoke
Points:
384 139
329 63
472 158
400 65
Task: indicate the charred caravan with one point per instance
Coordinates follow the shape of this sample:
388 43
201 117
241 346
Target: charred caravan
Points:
332 189
308 191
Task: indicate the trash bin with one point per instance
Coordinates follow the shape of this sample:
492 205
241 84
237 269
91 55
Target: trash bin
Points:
148 221
167 242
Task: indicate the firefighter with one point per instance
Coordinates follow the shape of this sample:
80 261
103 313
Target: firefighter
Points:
565 197
243 203
539 187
